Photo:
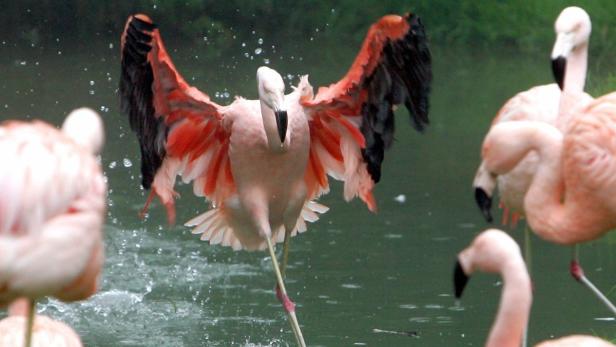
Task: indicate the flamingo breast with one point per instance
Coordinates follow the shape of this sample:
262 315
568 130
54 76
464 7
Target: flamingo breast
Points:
274 177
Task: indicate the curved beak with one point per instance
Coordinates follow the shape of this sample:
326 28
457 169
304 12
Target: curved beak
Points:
281 123
562 48
459 280
484 201
558 69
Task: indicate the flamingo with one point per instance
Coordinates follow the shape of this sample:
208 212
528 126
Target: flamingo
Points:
568 224
572 197
262 162
541 103
494 251
46 332
51 210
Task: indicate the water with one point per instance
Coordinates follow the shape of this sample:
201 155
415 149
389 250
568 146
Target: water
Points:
356 276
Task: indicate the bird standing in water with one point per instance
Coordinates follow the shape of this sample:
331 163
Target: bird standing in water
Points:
541 103
261 163
51 210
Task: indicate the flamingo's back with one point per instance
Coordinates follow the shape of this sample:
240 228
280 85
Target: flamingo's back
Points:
41 175
589 159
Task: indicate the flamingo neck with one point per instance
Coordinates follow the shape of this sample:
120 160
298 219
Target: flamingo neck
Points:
544 203
514 308
575 71
271 130
575 79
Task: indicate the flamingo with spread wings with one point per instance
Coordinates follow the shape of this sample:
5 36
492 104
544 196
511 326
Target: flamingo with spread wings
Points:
262 162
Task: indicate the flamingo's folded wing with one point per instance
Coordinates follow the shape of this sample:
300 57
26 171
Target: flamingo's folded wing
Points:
352 121
180 129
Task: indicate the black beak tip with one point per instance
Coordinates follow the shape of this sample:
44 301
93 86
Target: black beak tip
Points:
459 280
558 69
484 201
282 120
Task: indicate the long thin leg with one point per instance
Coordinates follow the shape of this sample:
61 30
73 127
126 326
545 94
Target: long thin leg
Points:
578 273
528 261
285 252
527 250
288 305
30 322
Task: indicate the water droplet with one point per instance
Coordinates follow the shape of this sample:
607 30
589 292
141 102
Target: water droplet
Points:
91 92
110 45
266 61
400 198
91 83
205 38
226 95
246 55
127 163
113 164
260 41
243 44
258 51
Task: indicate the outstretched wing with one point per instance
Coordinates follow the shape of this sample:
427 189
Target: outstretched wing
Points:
352 121
179 128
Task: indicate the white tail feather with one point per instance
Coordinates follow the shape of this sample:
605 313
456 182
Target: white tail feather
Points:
214 228
200 218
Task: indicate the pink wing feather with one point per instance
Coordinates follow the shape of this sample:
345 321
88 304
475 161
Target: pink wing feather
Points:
179 128
351 121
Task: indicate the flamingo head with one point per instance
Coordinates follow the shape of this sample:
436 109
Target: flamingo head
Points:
85 127
572 33
271 93
491 251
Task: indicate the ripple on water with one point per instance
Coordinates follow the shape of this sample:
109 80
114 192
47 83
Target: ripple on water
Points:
408 306
350 286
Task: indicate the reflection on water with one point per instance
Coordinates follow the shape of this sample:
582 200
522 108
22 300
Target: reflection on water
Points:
358 278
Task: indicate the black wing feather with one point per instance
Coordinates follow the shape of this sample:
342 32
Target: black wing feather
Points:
403 75
136 97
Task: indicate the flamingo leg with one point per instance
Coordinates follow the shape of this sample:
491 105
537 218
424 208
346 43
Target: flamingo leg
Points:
285 252
528 261
578 273
30 322
281 293
527 250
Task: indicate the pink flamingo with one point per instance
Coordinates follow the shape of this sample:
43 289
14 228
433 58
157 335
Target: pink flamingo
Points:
46 332
494 251
262 162
541 103
572 197
53 198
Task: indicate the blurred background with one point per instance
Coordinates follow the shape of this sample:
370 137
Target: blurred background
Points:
353 271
